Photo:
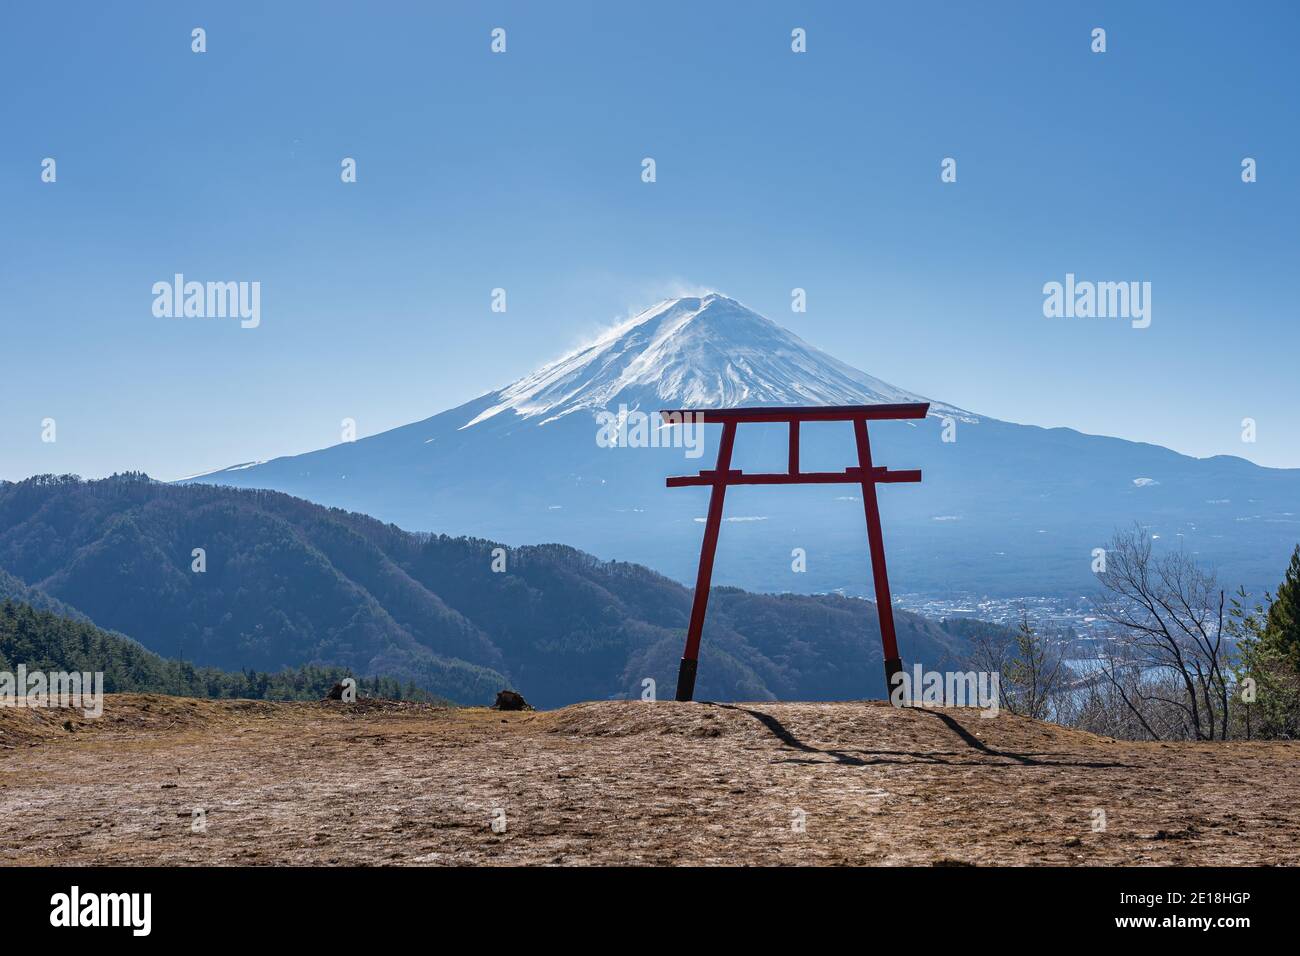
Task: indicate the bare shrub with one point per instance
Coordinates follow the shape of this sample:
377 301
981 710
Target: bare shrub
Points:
1165 661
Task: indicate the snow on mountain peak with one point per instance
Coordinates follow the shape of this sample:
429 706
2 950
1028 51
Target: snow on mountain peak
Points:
697 351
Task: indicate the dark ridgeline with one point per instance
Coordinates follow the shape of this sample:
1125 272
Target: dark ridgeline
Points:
289 583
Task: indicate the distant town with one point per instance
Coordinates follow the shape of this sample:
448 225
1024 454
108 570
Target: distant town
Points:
1046 614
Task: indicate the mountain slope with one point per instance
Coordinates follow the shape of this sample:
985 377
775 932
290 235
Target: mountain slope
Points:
16 592
272 595
1003 509
290 583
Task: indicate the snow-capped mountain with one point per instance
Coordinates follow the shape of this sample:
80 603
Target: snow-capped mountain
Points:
709 352
1004 509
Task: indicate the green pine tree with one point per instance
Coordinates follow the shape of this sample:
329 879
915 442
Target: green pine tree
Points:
1283 627
1270 653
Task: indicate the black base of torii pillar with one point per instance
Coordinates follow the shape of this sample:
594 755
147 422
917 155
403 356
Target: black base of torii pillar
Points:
865 474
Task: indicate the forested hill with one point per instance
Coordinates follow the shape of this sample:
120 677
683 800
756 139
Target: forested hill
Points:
285 582
43 641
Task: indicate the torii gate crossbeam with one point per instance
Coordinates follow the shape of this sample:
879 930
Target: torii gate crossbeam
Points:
722 476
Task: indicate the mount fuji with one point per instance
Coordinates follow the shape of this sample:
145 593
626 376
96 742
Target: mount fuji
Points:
1003 510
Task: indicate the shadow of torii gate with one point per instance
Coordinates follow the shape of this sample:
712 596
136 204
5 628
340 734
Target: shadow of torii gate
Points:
865 474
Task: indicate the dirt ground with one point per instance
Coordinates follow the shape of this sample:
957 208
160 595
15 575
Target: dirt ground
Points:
623 783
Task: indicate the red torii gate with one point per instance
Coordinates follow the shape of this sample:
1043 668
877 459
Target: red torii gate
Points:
866 474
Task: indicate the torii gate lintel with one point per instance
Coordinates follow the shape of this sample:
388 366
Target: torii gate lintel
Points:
722 476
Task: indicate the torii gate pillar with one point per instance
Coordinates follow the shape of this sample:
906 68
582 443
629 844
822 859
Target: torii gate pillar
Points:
865 474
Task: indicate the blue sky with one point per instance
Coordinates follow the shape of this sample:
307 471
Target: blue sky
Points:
522 171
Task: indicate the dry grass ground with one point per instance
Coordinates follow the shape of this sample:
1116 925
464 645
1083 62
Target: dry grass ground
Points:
623 782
